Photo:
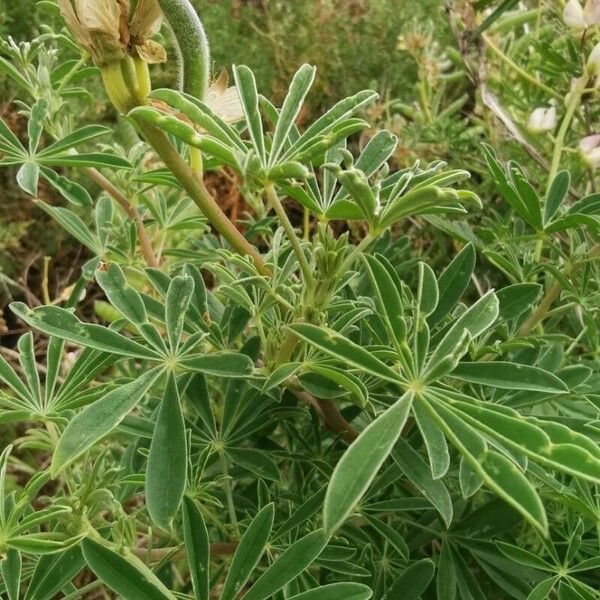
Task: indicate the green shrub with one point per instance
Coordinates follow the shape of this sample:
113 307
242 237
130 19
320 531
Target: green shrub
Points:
272 409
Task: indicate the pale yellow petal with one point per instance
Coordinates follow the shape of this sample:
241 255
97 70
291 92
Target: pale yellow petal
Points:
151 52
147 20
78 31
99 15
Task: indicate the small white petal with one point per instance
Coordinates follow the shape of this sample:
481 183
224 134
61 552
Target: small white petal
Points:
593 62
573 14
542 119
588 143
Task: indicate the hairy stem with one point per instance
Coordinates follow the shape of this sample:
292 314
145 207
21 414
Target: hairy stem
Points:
273 198
574 103
552 295
130 211
199 194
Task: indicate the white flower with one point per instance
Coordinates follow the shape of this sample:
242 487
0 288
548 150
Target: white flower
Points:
542 119
590 150
581 17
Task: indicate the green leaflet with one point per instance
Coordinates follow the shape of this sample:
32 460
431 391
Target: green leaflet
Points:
335 115
337 591
336 345
509 376
559 188
516 299
389 297
223 364
475 320
500 474
251 548
167 461
257 461
568 451
453 282
360 463
246 85
10 568
299 556
53 572
414 581
127 576
197 547
177 303
435 442
446 574
415 469
428 294
299 87
358 188
63 324
121 295
98 419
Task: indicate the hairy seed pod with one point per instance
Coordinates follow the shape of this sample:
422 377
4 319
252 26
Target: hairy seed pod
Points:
192 44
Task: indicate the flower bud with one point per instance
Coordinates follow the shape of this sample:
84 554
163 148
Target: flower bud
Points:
542 119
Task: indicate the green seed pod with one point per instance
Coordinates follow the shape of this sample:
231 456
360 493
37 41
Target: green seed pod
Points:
192 44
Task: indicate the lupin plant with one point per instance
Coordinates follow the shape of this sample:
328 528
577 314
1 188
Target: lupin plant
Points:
280 410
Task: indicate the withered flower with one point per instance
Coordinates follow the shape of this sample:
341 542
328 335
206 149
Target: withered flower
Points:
104 29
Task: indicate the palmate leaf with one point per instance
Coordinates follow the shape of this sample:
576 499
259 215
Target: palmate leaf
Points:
360 463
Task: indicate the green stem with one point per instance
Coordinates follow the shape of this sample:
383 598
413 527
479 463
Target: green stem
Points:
229 492
358 249
574 102
195 187
515 67
552 295
273 198
84 590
